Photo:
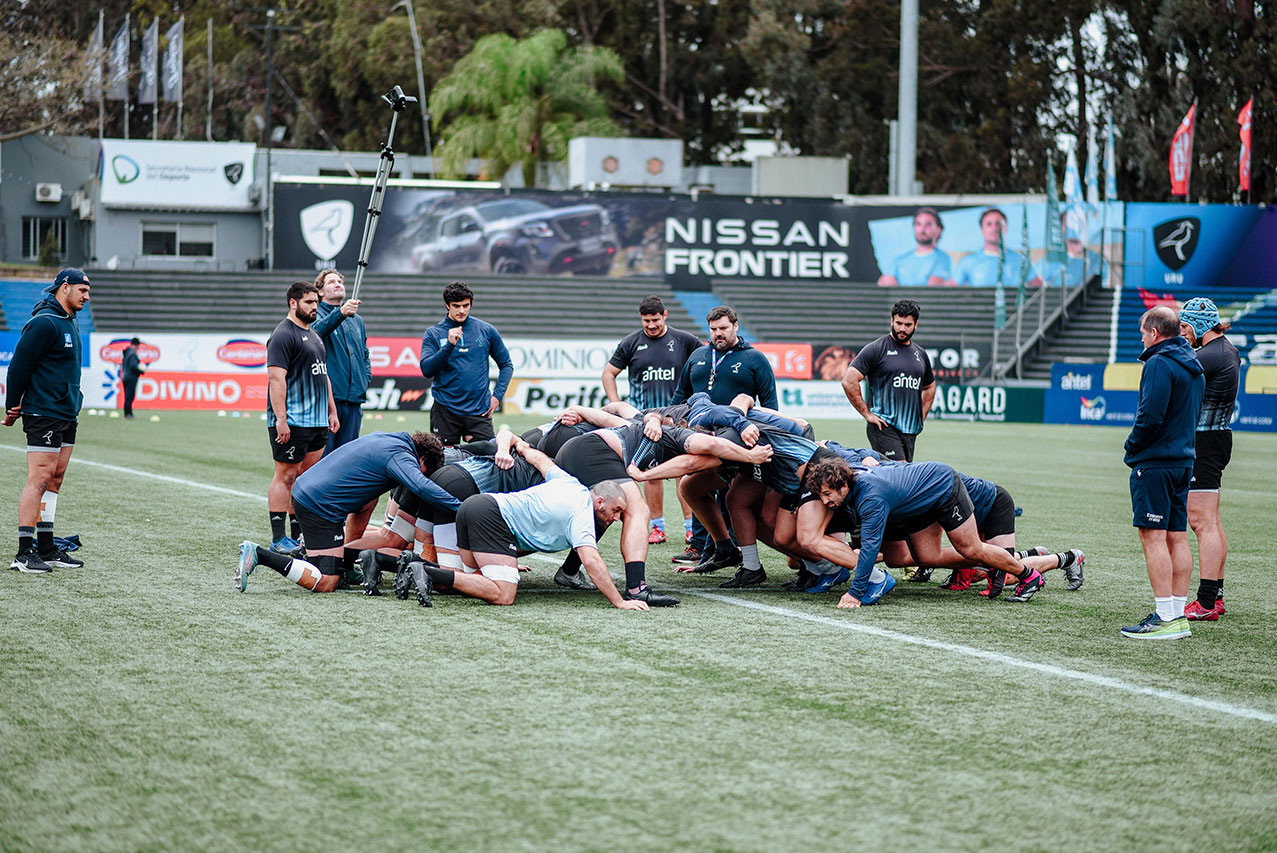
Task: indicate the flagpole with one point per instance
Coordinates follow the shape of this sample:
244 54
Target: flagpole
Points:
102 81
208 117
128 34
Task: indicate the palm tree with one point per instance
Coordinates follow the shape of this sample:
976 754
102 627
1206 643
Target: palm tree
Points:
512 102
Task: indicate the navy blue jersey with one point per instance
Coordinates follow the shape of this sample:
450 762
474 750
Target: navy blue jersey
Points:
642 452
789 453
44 375
493 479
345 480
654 364
982 493
1223 368
892 493
302 355
896 374
856 456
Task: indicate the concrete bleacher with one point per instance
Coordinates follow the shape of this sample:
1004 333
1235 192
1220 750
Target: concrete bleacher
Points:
1253 313
17 298
135 302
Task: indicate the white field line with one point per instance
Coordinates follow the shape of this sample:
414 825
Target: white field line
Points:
1092 679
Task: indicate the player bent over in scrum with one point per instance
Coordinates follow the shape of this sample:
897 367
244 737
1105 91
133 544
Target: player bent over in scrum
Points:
558 514
350 479
921 496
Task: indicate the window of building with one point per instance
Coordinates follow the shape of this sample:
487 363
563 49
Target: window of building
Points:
36 229
178 239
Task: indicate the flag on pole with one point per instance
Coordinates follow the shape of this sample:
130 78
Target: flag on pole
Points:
117 64
1074 201
171 80
93 65
1181 162
1054 228
1092 173
1000 295
1243 167
150 57
1110 165
1024 255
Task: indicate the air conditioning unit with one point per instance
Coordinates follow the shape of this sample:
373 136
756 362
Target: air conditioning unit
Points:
48 192
85 208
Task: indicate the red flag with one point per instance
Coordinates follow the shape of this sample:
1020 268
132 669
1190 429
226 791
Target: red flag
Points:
1243 168
1182 153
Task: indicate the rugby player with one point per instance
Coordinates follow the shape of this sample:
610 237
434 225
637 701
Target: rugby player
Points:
301 411
348 480
654 357
1200 325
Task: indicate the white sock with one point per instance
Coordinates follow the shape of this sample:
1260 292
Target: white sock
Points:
1178 601
749 557
1165 608
877 575
658 523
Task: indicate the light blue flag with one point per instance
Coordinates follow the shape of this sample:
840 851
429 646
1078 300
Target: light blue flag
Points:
1092 179
1074 200
1110 165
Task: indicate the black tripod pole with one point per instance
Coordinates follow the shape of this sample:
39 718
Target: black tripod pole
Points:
398 103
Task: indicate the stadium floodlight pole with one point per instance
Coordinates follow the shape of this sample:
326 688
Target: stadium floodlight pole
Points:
907 99
421 80
398 103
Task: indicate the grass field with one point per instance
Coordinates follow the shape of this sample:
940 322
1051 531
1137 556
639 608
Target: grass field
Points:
145 705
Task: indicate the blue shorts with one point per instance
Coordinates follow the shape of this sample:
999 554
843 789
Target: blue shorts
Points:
1159 498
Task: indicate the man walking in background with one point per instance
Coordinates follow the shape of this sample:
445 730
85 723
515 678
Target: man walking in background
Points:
1160 453
1200 325
349 364
131 369
44 390
300 412
654 357
455 353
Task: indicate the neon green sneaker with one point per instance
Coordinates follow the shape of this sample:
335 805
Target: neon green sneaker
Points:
1153 628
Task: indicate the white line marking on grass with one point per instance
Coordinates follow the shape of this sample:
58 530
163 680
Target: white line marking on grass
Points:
997 657
148 475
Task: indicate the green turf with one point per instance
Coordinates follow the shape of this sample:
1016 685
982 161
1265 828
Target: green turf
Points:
146 705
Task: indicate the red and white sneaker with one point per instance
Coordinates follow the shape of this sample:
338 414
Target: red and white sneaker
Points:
1194 612
656 537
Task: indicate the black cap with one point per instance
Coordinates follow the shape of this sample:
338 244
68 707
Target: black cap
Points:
70 275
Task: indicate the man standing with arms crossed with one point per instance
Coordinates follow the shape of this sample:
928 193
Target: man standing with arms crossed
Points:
349 364
44 390
1199 324
1160 453
300 411
455 353
654 356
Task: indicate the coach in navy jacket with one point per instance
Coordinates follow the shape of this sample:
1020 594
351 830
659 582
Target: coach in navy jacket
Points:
1164 434
727 366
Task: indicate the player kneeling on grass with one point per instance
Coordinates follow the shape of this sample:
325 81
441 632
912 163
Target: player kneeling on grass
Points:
929 492
492 529
350 479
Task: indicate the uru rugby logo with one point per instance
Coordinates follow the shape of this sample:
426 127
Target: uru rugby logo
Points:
242 352
1176 240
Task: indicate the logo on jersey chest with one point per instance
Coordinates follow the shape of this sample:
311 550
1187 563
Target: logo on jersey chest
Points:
902 380
658 374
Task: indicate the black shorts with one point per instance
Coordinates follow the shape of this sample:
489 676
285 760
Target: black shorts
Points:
321 534
301 441
48 435
1214 450
791 502
891 443
453 480
552 442
1159 498
590 459
956 508
1000 520
455 429
482 530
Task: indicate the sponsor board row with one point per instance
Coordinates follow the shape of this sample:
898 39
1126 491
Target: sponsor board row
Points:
1108 395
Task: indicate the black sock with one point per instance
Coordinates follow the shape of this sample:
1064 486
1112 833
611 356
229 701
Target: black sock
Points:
348 556
441 578
268 558
327 564
1219 590
295 527
726 546
1207 593
1013 552
276 526
386 562
26 538
44 537
635 574
572 564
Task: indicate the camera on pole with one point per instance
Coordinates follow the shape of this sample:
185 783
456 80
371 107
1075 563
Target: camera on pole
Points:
398 102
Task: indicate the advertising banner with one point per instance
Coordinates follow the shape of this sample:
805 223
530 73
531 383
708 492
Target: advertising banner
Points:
788 361
171 175
987 404
546 358
950 361
1251 315
1201 246
1079 394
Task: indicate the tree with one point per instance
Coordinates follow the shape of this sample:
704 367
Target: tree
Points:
518 103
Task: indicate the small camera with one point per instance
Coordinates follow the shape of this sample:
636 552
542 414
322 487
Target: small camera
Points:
398 100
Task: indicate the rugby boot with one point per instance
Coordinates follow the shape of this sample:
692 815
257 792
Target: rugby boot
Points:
744 577
824 583
1194 612
247 562
1025 589
60 559
650 596
997 580
720 558
366 562
656 537
919 575
421 582
690 556
580 580
1071 562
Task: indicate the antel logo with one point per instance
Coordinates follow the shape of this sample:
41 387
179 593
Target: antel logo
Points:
113 352
1176 240
242 353
125 168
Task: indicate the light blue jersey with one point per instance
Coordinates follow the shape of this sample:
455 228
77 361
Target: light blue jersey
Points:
554 516
981 270
914 270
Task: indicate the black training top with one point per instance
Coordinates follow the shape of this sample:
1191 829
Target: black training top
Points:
655 364
895 375
301 353
1223 367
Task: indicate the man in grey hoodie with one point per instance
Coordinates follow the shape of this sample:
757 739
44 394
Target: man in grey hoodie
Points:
1160 453
44 390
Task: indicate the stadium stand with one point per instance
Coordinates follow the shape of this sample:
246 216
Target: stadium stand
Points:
17 298
1082 338
1253 313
